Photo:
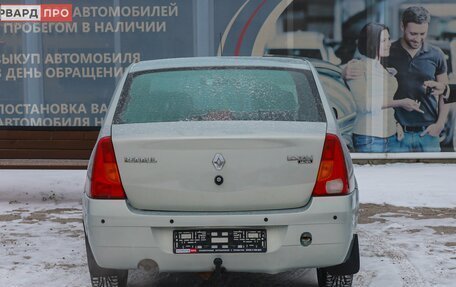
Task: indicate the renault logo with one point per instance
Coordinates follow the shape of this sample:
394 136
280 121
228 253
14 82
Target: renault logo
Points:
218 161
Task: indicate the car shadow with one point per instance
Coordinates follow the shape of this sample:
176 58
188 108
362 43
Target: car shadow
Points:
299 277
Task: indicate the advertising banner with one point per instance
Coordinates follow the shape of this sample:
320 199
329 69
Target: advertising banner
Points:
390 84
62 72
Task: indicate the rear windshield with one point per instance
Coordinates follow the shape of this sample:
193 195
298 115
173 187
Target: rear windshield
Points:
214 94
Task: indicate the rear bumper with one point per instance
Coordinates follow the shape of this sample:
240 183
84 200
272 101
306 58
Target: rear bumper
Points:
120 236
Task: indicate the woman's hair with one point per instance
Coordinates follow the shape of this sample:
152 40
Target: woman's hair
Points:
369 39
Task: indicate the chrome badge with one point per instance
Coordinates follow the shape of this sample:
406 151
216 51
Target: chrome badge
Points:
300 159
136 159
218 161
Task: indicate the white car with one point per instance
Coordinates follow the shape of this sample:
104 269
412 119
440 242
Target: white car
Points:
205 164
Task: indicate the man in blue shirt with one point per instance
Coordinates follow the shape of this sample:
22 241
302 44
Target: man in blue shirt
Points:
421 73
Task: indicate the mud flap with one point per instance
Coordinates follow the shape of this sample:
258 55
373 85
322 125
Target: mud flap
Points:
351 264
103 277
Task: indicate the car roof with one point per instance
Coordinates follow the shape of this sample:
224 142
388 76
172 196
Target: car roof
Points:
317 63
201 62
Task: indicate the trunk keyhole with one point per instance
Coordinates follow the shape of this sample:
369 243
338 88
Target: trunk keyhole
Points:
218 180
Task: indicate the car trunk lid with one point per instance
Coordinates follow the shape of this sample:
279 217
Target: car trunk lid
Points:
174 166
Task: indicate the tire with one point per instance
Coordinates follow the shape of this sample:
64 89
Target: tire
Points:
327 280
103 277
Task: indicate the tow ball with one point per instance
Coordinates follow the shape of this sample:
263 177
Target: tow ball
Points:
213 278
218 267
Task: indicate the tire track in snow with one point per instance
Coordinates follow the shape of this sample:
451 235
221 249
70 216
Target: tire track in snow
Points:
363 278
376 244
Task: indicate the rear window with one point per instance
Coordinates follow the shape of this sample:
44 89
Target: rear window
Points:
215 94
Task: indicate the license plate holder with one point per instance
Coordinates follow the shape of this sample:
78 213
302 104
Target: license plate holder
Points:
219 241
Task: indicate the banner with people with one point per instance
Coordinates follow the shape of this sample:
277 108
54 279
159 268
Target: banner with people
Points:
387 66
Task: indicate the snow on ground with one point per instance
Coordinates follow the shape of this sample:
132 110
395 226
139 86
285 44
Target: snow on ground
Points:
404 184
40 185
407 231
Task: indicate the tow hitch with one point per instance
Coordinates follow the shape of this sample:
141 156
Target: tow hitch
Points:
216 276
218 267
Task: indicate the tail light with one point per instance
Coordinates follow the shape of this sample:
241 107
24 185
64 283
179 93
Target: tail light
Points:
332 176
105 181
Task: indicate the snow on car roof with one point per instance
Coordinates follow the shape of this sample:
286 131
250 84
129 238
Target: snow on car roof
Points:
274 62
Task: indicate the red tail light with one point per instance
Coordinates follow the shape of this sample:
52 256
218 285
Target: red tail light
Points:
105 181
332 176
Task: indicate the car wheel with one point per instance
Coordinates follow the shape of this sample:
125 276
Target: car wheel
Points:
327 280
103 277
